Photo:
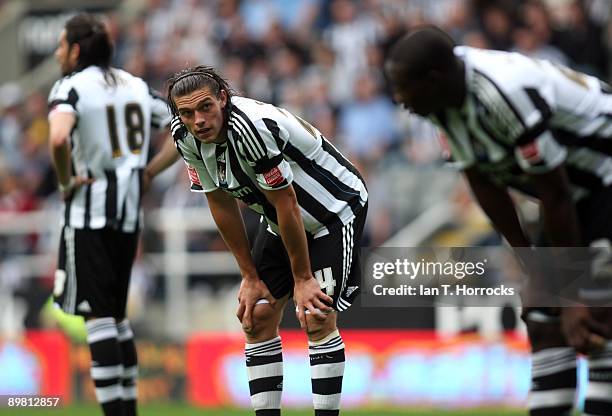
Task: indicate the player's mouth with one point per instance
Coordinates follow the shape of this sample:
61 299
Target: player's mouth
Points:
204 132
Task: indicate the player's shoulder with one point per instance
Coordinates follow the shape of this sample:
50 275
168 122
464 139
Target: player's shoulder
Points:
126 76
67 79
63 85
125 79
253 110
505 71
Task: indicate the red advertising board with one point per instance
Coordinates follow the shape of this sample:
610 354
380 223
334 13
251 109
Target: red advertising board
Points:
392 367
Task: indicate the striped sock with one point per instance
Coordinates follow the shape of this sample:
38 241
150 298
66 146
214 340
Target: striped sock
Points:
599 390
553 382
264 361
106 367
327 369
130 367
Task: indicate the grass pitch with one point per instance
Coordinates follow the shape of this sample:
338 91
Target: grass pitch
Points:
186 410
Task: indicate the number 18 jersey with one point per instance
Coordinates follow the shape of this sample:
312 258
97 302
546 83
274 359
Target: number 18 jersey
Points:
109 143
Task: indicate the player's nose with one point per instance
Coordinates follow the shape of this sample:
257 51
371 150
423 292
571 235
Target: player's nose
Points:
199 118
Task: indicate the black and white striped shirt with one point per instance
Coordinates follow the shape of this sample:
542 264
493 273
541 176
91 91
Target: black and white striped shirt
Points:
269 148
109 143
524 116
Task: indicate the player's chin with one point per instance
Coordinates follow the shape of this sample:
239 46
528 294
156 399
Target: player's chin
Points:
205 138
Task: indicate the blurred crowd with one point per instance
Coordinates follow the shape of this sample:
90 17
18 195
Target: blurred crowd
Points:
322 60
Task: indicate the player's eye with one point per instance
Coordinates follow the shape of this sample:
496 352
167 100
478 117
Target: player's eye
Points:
185 113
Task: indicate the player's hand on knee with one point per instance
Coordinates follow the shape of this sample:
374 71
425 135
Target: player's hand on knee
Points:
252 290
307 296
581 331
319 317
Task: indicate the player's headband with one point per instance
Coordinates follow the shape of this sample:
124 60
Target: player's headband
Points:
186 75
189 74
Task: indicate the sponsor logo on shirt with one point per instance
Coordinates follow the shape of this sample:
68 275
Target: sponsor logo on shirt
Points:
193 176
531 153
273 177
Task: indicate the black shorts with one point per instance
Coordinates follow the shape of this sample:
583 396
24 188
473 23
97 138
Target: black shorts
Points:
93 273
334 259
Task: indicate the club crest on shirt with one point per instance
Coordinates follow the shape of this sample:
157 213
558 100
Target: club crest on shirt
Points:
273 177
222 169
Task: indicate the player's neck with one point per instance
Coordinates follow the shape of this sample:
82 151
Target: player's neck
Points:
222 137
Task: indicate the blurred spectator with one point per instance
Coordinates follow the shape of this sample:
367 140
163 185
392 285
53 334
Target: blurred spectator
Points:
476 39
497 26
529 43
583 40
367 125
11 128
533 36
348 36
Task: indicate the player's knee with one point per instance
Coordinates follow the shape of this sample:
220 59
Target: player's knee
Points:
264 323
317 328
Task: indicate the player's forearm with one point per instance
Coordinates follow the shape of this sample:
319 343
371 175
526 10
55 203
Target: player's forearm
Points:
60 126
504 218
561 222
229 221
561 226
558 208
499 207
163 159
60 154
293 234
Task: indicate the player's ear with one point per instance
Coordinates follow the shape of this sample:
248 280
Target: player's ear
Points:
223 97
74 52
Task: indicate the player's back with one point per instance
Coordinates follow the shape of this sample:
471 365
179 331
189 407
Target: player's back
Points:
526 115
113 124
578 103
114 113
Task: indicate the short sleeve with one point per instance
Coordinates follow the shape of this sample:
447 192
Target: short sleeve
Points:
199 178
262 144
63 97
160 113
536 149
520 116
541 154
